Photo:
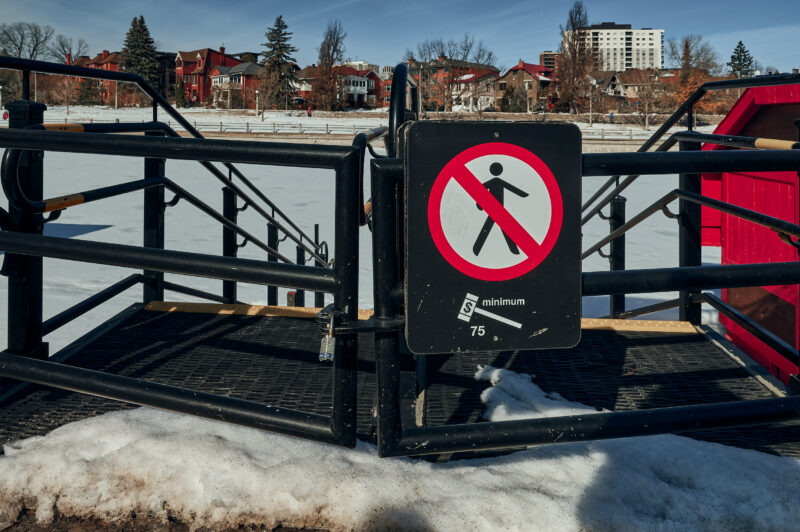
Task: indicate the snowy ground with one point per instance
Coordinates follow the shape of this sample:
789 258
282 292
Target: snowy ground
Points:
207 473
213 474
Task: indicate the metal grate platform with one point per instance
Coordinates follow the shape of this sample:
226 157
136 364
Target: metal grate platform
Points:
273 360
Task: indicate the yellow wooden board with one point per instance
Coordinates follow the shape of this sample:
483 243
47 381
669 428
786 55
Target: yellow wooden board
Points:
309 312
240 309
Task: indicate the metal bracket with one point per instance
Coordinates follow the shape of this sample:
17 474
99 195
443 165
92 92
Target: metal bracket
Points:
53 216
171 203
788 239
243 207
340 326
603 216
604 255
242 244
375 155
669 214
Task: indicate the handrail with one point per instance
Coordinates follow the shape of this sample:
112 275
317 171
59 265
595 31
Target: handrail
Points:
397 106
362 142
772 340
168 261
14 63
761 143
17 194
783 228
761 81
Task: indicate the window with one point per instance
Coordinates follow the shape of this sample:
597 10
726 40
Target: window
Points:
194 79
186 78
179 63
199 62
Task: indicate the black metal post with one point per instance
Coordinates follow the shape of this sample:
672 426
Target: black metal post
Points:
345 298
319 297
689 241
386 174
26 85
300 296
229 247
153 286
272 241
616 258
25 276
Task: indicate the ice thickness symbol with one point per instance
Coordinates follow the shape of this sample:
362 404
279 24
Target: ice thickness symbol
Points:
470 307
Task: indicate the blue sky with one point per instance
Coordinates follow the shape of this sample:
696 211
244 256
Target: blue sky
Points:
380 31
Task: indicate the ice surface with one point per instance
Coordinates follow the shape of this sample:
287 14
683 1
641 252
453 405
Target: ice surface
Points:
211 474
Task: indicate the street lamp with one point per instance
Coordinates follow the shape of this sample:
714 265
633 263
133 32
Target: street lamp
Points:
257 103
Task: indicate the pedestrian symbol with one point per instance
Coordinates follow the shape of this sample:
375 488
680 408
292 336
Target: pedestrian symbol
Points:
496 187
518 217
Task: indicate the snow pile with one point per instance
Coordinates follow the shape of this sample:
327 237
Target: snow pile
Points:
207 473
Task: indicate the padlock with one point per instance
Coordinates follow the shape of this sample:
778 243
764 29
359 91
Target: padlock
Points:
327 346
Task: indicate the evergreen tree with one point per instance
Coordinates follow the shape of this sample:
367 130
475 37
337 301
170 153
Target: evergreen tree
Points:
741 63
278 64
139 52
88 92
180 96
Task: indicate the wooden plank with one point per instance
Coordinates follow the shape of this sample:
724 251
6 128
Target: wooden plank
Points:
242 310
363 314
638 325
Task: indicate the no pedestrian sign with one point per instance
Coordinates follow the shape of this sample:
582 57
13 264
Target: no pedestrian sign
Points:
492 236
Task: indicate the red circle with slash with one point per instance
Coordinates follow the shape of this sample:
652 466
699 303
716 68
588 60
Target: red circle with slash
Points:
534 252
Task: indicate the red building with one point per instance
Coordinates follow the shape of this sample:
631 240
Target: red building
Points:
760 112
195 69
236 86
103 61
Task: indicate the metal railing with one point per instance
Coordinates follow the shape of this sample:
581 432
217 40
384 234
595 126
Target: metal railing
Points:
22 240
26 357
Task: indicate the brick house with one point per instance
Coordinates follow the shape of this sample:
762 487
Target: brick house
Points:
235 87
195 68
109 61
440 78
359 88
535 80
305 83
373 87
385 86
475 91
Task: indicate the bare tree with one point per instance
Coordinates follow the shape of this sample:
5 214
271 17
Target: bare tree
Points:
25 39
328 87
64 90
63 46
692 52
576 60
440 63
644 87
